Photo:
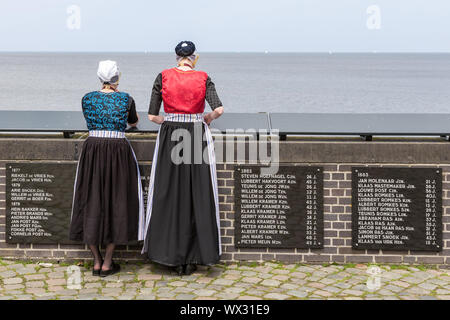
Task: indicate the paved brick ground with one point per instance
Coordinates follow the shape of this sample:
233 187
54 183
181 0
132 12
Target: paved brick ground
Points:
20 280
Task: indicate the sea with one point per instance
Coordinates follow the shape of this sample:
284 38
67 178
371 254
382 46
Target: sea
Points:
246 82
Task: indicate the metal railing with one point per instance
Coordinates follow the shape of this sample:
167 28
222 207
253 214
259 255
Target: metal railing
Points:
282 124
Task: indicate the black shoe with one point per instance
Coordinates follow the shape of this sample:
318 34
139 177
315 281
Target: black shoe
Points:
190 269
114 268
96 273
179 270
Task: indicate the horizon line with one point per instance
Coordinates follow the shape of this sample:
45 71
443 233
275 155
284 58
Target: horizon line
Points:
231 52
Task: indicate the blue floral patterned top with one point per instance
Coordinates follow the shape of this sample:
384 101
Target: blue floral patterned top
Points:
108 111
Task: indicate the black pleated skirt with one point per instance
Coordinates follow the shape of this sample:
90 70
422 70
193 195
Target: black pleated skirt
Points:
106 195
183 226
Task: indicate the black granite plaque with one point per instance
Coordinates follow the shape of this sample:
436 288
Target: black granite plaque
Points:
284 210
397 208
39 200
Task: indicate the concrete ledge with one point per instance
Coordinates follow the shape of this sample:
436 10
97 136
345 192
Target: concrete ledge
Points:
60 149
365 151
409 152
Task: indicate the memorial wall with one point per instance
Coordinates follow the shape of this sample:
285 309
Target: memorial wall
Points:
330 201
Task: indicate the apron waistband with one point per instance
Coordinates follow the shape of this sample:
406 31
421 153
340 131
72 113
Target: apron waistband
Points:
181 117
106 134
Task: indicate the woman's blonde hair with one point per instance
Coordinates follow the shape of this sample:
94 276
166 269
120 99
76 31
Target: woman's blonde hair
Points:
193 58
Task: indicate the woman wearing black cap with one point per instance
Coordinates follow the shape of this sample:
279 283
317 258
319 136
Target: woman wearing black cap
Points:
183 222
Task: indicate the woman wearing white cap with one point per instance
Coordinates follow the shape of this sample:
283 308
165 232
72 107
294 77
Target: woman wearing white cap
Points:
108 204
182 223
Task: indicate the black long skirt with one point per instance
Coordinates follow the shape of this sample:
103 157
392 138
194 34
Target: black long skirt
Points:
182 216
106 200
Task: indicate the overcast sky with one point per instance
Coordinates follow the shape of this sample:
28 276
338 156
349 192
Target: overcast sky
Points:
232 25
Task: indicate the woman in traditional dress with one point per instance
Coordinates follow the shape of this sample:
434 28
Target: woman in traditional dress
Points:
108 202
182 222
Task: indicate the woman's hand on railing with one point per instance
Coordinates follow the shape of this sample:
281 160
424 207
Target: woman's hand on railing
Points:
156 119
213 115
